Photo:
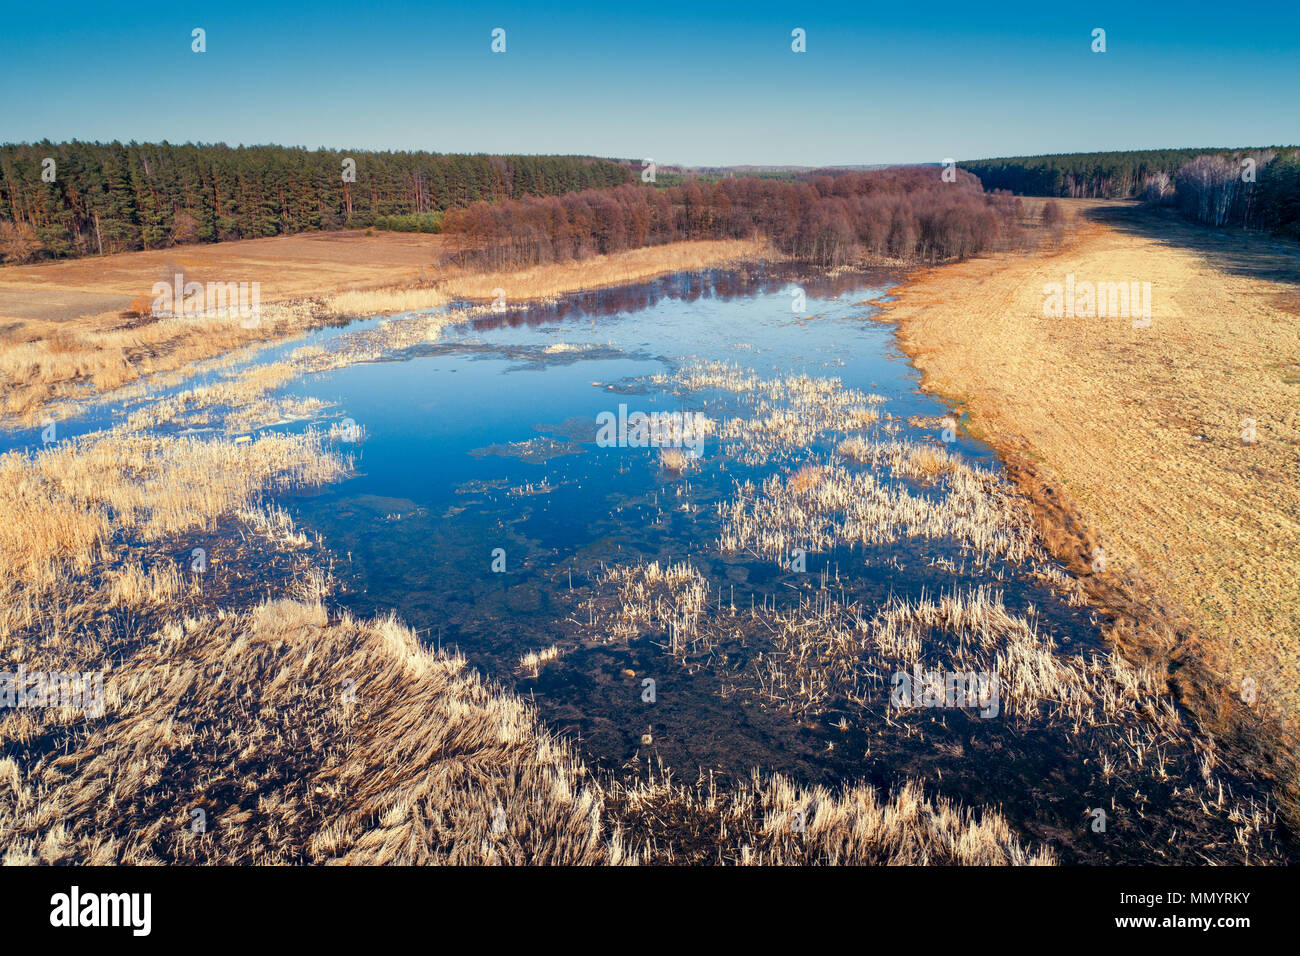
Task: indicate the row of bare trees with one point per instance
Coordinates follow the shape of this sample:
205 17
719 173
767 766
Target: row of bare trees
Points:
1258 188
908 213
1261 190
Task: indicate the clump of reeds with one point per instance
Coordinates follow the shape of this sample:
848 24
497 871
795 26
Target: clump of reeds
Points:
92 520
66 502
274 524
673 460
241 401
368 302
300 739
532 663
771 821
805 479
133 585
843 507
788 415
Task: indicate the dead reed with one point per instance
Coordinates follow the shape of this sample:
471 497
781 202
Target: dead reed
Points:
825 652
282 736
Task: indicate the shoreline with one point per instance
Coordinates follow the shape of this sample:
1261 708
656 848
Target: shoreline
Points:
1145 623
52 365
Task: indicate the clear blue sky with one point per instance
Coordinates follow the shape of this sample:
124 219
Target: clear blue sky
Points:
690 83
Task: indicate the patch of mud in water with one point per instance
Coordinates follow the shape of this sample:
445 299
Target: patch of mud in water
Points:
534 451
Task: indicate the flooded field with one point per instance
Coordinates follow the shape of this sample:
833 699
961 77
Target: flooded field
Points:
707 526
745 591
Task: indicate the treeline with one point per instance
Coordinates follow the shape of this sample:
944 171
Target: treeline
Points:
907 213
1256 188
74 199
1119 175
1219 191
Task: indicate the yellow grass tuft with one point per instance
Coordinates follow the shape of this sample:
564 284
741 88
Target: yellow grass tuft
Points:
673 460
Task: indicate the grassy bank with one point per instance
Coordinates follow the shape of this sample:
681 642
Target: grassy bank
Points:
1132 444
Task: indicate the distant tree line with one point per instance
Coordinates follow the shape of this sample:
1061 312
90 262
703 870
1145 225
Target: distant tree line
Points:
1257 188
906 213
74 199
1219 191
1116 175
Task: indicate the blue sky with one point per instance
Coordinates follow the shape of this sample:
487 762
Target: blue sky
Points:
690 83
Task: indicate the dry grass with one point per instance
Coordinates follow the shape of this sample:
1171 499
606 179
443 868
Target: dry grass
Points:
673 460
289 267
300 740
825 653
241 398
385 301
532 663
134 586
66 503
774 822
78 561
806 478
831 506
599 272
47 368
1142 428
787 415
294 738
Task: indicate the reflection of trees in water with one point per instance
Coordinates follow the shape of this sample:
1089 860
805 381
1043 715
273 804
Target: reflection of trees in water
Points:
724 284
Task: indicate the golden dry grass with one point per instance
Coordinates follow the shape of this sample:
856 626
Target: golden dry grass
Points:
77 548
64 504
1142 427
776 822
805 479
281 736
673 460
47 367
836 506
289 267
828 654
300 740
385 301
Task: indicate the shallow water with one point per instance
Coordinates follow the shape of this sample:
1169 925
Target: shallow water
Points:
440 487
479 448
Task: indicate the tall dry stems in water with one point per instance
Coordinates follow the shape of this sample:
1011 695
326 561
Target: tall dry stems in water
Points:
295 738
67 502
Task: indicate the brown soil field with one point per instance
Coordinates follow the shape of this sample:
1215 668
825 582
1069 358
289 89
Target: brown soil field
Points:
1132 441
287 267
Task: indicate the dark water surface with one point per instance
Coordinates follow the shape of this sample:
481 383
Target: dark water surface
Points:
440 487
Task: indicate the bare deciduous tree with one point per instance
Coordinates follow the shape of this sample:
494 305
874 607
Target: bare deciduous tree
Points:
18 242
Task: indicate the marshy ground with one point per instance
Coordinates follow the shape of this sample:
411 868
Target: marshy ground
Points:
1173 447
430 601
